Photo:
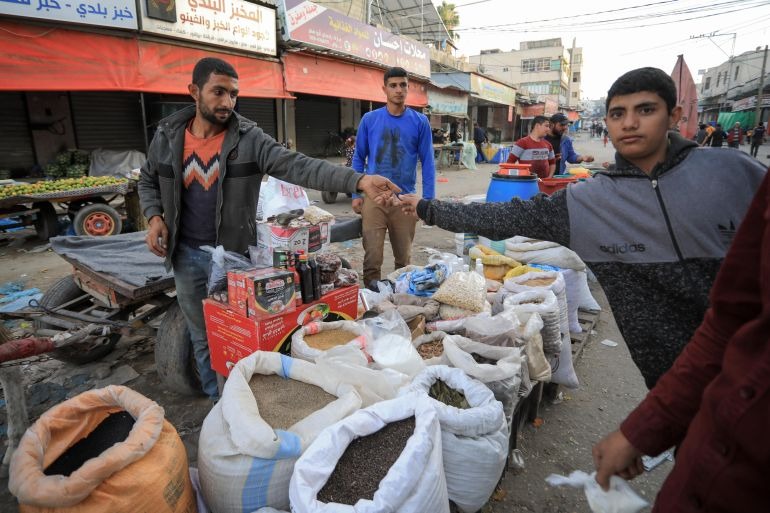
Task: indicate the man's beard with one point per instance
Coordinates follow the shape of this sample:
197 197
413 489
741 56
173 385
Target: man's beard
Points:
210 116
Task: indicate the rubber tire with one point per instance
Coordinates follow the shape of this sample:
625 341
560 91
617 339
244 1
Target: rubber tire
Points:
84 213
61 292
174 358
329 197
47 220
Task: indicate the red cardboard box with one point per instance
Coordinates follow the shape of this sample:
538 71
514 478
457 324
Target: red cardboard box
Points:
261 292
233 336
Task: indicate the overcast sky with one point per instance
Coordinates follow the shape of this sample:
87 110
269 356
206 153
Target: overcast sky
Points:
621 35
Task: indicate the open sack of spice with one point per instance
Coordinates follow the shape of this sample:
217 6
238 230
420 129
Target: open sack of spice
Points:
312 340
384 458
108 449
474 433
272 408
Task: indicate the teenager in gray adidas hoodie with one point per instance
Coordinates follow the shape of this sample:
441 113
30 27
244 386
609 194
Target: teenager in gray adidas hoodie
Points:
654 230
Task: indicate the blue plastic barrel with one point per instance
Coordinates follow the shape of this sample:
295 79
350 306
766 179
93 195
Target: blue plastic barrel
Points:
503 188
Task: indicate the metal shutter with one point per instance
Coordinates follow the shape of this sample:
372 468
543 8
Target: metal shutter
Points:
314 118
16 149
262 111
112 121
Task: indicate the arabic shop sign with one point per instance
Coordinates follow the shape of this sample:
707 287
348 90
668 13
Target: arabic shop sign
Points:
315 25
228 23
492 91
105 13
452 103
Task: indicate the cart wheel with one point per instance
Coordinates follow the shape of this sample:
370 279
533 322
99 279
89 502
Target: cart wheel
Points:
64 291
329 197
46 220
98 220
174 357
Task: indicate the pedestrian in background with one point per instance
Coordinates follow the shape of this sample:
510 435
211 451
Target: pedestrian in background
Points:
562 144
535 150
757 139
479 138
717 137
390 141
735 136
701 134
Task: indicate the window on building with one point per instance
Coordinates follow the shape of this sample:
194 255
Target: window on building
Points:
505 69
555 64
736 73
574 95
578 58
532 65
719 78
707 84
576 77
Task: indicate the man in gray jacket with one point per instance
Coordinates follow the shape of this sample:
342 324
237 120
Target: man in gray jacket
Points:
654 229
200 186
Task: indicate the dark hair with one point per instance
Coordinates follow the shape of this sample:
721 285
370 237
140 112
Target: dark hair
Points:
651 80
539 120
394 73
208 65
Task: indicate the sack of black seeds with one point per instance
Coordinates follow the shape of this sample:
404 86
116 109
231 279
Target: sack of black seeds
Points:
499 368
108 449
272 408
474 434
384 458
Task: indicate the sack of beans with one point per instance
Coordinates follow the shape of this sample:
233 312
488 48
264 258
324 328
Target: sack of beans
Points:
544 303
384 458
499 368
474 433
466 290
312 340
430 347
108 449
272 408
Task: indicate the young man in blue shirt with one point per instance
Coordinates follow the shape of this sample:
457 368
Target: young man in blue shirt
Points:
389 142
562 144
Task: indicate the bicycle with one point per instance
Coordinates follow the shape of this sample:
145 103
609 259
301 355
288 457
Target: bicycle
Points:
334 146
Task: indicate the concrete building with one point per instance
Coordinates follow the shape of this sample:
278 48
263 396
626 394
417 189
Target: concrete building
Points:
543 68
732 87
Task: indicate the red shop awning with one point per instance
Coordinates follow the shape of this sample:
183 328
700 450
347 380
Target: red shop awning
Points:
314 74
51 59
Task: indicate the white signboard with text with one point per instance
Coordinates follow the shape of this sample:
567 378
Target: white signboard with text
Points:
228 23
104 13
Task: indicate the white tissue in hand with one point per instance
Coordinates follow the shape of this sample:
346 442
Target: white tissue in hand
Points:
620 498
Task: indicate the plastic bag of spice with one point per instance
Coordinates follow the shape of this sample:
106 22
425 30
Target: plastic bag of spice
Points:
497 367
134 466
312 340
413 483
244 462
474 439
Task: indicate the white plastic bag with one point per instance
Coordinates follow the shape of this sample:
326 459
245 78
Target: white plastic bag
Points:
244 464
620 498
350 365
414 484
474 441
277 197
502 377
465 290
221 262
300 349
397 353
387 323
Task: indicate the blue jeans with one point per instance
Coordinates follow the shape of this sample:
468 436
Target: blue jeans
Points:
191 271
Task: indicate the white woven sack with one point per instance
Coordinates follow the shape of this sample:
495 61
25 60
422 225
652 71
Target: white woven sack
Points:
503 378
300 349
431 337
526 250
548 309
414 484
562 369
474 441
243 463
568 320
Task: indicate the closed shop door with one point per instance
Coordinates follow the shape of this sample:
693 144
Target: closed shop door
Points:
315 117
16 151
111 121
261 111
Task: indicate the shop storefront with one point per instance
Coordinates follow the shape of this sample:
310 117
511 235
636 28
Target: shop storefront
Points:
334 66
448 107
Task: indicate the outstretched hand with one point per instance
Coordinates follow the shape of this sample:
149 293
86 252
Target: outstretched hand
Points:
409 203
378 188
614 455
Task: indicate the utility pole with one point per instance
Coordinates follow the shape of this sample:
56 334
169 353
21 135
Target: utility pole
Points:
758 111
569 75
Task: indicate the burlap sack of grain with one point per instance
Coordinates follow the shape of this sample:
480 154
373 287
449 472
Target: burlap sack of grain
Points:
474 441
415 483
145 472
245 464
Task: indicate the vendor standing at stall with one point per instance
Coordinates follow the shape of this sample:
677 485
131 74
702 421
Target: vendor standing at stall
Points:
562 144
649 229
200 187
390 141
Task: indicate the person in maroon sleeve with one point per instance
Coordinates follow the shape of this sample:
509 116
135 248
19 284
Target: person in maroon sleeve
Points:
714 403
